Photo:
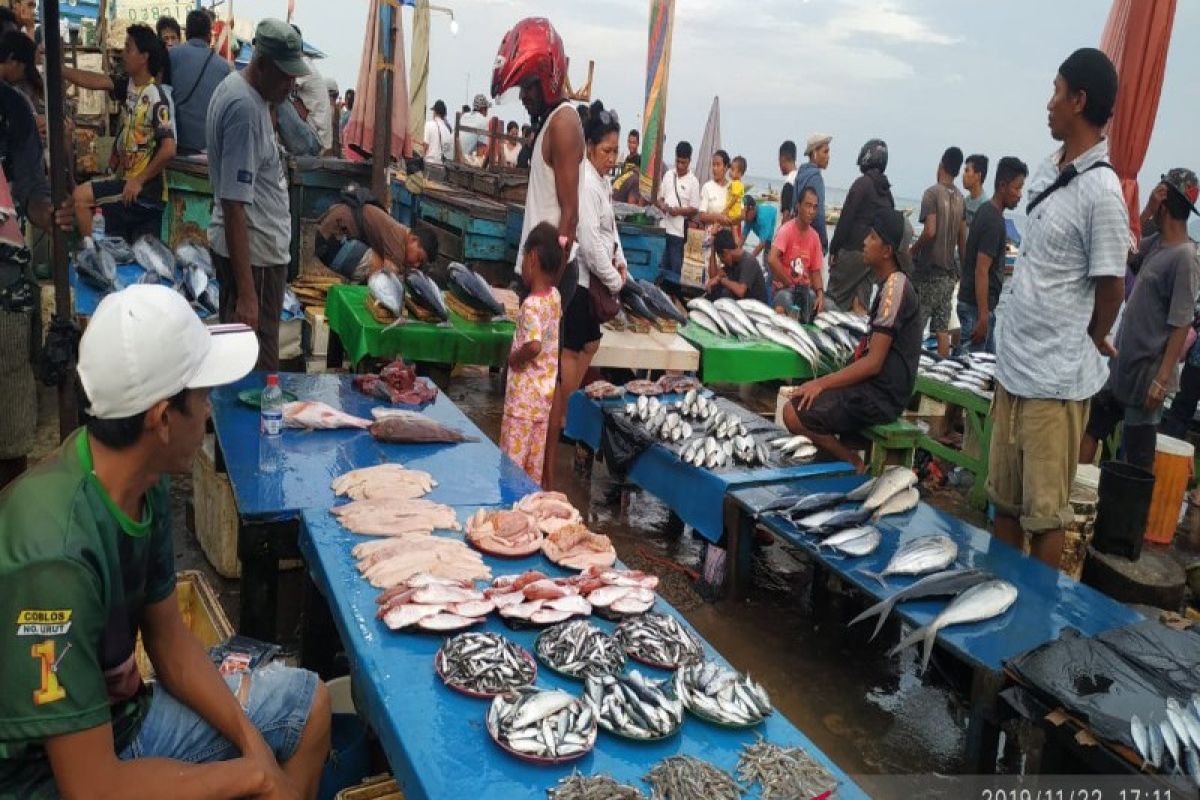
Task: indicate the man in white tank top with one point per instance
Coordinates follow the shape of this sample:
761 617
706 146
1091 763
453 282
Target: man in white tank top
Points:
531 58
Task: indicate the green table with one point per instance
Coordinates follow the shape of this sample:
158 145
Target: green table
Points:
976 411
725 360
459 342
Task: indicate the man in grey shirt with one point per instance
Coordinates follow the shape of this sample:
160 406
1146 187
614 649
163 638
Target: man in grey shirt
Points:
1153 330
196 71
939 248
251 231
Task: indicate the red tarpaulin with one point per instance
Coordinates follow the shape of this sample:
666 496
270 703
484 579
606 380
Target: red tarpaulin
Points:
360 130
1136 38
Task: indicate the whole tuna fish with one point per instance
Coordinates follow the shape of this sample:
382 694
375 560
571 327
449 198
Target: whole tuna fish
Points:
194 283
195 255
891 482
634 301
152 254
388 291
984 601
705 306
118 248
659 303
941 584
918 556
425 293
473 290
96 269
855 542
734 315
702 320
899 503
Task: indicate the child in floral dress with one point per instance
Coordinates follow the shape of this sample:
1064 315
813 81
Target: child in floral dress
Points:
533 361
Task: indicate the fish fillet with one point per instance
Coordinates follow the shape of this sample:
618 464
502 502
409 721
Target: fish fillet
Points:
383 480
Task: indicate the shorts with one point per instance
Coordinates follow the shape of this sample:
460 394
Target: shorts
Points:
277 699
838 412
269 283
673 258
580 328
143 216
936 292
1139 434
850 278
1031 465
524 441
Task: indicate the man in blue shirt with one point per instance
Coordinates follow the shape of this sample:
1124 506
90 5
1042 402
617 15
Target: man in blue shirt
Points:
195 73
761 220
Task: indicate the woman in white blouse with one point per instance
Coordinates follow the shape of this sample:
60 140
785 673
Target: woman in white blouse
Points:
600 257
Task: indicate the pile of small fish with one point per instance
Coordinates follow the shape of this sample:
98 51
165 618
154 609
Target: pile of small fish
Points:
575 547
399 426
784 773
634 706
433 603
534 599
473 290
580 649
545 724
722 695
695 406
592 787
689 778
507 533
917 557
829 344
974 372
795 449
1176 732
659 640
981 602
948 583
423 297
713 453
484 663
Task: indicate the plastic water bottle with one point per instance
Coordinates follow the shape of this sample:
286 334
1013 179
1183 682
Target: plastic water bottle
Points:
271 421
98 225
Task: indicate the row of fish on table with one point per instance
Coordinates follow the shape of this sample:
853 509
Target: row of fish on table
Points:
826 345
1173 731
188 268
977 596
973 372
417 293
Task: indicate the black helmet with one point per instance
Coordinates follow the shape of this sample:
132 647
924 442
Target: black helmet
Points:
873 155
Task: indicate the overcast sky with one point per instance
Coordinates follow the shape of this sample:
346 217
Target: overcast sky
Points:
921 74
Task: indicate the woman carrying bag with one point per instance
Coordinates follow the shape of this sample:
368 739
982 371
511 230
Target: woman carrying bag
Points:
601 261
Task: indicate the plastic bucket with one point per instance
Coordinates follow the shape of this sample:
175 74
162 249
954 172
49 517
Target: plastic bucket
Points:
1172 470
349 754
1123 509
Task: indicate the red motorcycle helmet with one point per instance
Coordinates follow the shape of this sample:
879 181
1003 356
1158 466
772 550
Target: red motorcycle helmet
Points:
532 49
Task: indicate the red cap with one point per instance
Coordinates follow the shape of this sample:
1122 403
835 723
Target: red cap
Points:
272 380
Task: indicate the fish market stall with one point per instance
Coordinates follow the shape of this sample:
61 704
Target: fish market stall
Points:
273 480
655 350
353 331
725 360
695 493
437 740
1042 602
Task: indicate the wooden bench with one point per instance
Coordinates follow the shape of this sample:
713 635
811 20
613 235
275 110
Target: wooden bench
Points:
978 420
891 443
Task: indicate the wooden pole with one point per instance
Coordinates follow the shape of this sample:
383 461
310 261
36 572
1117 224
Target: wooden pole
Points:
60 187
383 99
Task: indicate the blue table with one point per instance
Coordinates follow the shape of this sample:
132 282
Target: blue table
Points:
87 298
1048 603
274 480
695 494
435 738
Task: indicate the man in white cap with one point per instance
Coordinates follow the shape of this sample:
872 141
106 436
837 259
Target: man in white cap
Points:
87 564
809 174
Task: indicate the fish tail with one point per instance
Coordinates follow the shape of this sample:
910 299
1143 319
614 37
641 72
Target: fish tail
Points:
883 617
398 321
930 638
878 577
870 612
907 641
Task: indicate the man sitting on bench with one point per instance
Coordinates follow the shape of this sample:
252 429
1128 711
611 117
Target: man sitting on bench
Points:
876 386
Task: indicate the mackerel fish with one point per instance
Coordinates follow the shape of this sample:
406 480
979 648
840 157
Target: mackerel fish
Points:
687 777
485 663
784 773
580 649
547 724
634 706
721 694
591 787
660 639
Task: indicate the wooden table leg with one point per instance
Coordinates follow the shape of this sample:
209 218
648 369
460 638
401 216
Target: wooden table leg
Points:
983 730
258 549
739 550
979 488
320 644
335 353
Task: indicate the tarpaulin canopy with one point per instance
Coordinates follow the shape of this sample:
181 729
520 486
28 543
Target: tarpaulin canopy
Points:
378 56
1136 38
419 79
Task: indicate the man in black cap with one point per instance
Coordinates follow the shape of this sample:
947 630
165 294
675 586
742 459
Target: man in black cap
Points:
1055 313
1154 329
876 386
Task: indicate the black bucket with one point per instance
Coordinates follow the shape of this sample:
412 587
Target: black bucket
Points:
1124 508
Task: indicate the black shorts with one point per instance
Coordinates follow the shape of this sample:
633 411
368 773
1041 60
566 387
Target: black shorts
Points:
579 327
841 411
143 216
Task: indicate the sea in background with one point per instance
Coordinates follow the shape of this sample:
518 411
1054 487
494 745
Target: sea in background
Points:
834 195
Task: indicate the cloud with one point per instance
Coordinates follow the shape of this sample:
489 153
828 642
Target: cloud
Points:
887 22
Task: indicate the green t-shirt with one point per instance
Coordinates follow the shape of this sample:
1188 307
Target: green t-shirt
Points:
77 573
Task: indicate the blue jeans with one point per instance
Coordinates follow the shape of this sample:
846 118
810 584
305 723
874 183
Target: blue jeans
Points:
278 702
298 139
802 297
968 315
672 265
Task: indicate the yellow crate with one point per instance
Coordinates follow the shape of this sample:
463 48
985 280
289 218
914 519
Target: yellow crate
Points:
380 787
202 614
215 512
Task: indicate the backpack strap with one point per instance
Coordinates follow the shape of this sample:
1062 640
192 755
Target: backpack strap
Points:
1064 178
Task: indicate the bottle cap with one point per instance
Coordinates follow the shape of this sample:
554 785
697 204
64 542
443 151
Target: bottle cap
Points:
272 380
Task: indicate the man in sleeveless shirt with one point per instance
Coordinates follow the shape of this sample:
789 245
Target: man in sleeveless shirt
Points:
531 59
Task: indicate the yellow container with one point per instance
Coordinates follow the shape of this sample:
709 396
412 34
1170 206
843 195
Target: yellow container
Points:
1172 470
202 614
380 787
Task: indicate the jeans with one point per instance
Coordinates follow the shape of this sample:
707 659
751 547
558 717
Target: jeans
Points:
1178 418
968 315
672 265
802 297
298 139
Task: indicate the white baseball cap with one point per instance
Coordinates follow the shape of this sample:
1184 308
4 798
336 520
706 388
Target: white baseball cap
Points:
145 344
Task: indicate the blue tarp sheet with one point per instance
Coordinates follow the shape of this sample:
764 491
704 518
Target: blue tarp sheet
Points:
695 494
305 462
435 739
1048 600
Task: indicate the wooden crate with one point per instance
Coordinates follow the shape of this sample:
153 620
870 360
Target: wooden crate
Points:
201 611
216 517
380 787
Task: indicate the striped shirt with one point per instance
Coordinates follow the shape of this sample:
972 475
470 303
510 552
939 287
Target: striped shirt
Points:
1077 234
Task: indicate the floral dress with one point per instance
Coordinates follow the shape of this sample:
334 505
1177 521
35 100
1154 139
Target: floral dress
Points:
530 389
